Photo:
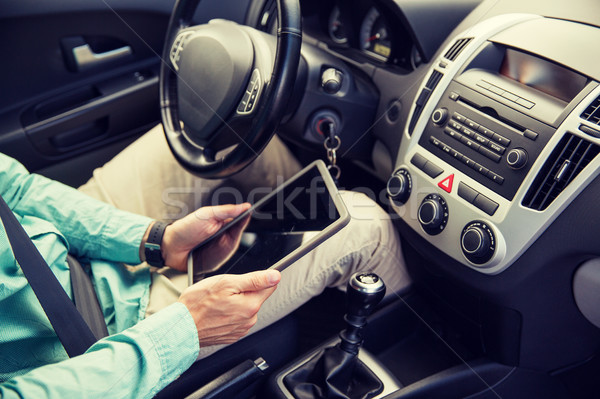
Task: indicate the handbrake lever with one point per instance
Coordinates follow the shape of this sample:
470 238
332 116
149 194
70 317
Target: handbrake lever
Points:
230 383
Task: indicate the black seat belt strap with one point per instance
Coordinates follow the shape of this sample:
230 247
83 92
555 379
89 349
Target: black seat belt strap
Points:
68 324
85 298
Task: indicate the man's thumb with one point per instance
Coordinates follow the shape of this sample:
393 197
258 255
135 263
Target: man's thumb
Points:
257 281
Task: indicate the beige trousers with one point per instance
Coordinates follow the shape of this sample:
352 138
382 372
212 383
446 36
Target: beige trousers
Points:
146 179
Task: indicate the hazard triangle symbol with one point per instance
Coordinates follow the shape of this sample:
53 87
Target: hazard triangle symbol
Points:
446 184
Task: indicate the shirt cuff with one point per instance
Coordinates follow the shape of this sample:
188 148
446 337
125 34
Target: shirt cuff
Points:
122 237
175 338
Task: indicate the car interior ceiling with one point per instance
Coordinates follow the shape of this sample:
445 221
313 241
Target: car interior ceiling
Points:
474 123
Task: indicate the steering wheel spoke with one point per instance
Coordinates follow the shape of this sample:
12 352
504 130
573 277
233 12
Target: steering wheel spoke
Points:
225 82
177 47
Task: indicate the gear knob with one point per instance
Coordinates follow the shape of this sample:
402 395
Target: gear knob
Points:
365 291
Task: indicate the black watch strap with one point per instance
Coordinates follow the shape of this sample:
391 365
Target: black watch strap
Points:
152 247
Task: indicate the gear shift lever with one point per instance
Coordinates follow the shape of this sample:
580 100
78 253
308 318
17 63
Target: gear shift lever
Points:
336 371
364 292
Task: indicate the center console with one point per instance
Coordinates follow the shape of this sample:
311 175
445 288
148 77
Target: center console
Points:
504 133
502 136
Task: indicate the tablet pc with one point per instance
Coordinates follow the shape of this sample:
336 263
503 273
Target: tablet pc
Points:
277 230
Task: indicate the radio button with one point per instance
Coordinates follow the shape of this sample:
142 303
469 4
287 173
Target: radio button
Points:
452 133
426 166
455 125
502 140
485 131
481 140
432 170
467 193
468 132
489 154
495 178
485 204
435 141
496 147
419 161
472 124
470 143
481 169
468 161
459 117
530 134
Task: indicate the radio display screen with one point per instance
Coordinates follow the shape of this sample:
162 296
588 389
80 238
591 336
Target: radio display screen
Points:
542 75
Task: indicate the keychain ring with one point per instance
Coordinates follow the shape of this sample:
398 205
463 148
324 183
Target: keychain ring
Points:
336 146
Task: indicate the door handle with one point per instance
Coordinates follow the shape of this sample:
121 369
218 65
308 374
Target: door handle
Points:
86 58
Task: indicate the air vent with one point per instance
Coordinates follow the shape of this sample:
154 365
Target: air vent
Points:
592 113
431 84
570 156
456 48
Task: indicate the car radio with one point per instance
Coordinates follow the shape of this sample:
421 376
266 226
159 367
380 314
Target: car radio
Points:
491 126
498 142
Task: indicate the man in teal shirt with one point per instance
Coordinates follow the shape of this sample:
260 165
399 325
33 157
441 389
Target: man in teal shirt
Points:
140 358
144 356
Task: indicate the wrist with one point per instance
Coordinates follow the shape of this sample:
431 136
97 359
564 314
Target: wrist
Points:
152 248
143 243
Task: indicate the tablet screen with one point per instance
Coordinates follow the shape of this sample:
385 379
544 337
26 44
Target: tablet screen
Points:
289 221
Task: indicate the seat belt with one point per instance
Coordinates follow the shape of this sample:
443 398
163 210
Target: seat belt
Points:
86 301
70 327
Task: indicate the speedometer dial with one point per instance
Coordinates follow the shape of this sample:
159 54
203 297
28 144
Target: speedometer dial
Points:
375 35
335 27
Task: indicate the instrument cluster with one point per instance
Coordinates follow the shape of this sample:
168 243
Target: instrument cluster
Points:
363 30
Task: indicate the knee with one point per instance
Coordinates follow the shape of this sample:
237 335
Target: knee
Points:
368 219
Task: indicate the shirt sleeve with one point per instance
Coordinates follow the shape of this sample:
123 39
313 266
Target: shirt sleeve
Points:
136 363
92 228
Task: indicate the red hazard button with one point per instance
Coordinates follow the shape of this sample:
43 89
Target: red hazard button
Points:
446 184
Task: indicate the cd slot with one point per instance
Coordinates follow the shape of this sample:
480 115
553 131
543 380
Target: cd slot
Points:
492 113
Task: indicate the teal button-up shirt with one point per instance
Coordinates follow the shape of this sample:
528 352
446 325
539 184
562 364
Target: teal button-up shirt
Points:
61 220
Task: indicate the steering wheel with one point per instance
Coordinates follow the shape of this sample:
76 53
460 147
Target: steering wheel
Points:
225 86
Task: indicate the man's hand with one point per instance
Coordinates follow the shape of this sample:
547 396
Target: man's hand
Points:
184 234
224 307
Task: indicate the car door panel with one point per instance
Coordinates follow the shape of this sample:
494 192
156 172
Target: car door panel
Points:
77 76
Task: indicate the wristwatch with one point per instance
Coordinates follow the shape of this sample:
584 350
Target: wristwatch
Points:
153 245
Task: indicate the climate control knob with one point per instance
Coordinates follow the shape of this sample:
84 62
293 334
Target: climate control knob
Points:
399 186
433 214
477 242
